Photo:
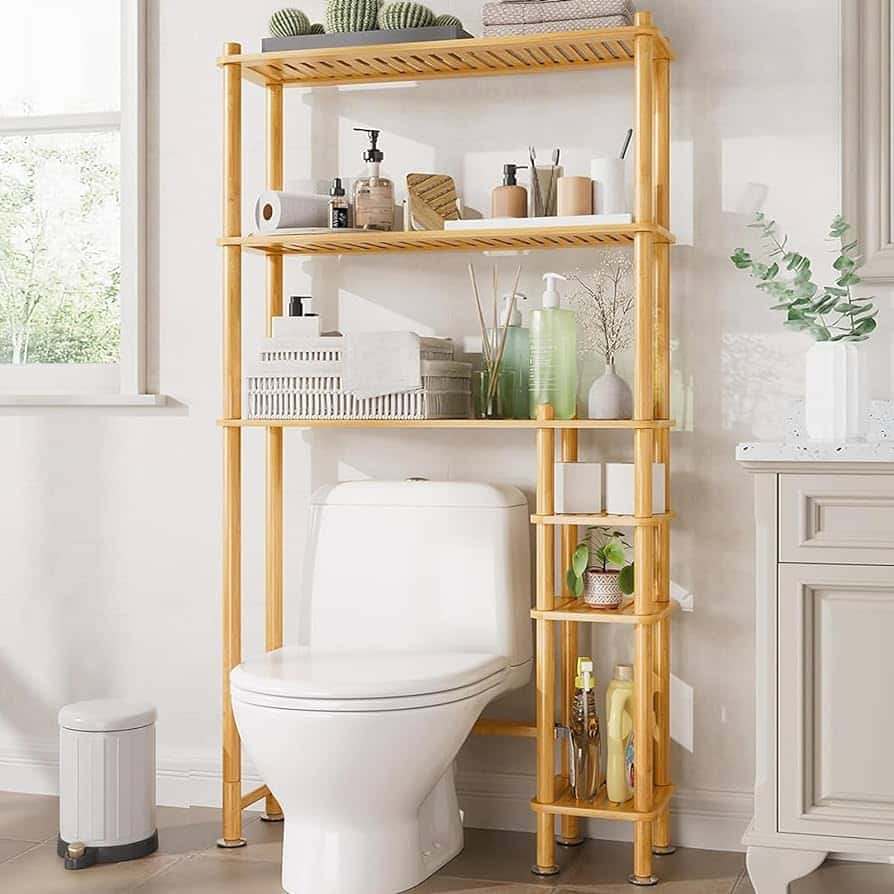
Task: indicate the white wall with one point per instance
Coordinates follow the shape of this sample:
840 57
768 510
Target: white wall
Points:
110 521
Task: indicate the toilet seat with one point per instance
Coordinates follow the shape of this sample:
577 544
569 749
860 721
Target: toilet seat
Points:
300 678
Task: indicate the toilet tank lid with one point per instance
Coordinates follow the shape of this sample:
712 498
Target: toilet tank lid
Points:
420 492
105 715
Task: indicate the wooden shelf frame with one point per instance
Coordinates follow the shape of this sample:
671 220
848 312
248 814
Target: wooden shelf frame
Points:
503 239
429 60
645 49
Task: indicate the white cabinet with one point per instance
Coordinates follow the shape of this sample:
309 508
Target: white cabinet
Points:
825 666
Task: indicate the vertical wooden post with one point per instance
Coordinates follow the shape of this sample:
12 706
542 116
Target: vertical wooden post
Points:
643 409
273 609
661 630
232 458
569 826
546 651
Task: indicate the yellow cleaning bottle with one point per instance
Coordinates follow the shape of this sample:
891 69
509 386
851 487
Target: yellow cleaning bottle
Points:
619 715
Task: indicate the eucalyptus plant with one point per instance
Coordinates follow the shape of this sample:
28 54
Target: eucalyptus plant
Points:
828 313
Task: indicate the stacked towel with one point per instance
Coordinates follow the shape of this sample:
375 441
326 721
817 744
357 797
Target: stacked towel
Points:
512 17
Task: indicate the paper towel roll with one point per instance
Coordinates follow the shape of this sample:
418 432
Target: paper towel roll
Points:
281 210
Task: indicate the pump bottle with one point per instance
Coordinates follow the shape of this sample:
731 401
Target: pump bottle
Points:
553 363
516 355
510 199
373 194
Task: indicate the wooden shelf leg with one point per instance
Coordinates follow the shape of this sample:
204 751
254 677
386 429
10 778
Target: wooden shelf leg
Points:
232 458
546 651
569 826
273 613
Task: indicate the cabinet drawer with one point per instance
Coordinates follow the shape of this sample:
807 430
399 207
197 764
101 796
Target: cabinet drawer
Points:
840 519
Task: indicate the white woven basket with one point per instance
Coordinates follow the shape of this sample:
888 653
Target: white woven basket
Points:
313 390
326 348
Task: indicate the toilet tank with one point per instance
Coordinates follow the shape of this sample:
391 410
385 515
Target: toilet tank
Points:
415 565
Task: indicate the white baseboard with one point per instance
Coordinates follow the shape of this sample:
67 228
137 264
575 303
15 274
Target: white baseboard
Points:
715 820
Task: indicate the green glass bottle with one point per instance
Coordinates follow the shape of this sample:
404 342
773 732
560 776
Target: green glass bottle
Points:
516 355
553 363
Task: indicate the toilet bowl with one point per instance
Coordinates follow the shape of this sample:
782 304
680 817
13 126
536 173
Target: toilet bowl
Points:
413 618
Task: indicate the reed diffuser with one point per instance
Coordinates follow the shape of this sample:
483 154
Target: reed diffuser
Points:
497 395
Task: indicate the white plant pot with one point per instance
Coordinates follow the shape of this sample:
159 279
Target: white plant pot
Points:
619 488
578 488
833 396
602 588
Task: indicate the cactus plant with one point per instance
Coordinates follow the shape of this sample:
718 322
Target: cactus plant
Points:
351 15
317 28
447 21
289 23
404 14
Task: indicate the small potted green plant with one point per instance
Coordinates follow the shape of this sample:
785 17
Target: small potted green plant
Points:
591 574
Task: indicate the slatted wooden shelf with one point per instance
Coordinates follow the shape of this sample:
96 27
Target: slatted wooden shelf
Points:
621 521
577 610
429 60
601 808
497 424
509 239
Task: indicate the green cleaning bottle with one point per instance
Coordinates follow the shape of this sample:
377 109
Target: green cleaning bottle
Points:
553 378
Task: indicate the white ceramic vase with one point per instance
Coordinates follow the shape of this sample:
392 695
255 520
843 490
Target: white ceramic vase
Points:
833 396
610 397
602 588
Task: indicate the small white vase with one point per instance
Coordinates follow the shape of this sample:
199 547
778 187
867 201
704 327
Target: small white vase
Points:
610 397
833 396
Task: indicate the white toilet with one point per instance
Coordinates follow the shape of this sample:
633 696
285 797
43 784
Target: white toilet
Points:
414 616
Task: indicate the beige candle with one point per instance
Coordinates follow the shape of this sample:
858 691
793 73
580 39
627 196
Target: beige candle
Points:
575 196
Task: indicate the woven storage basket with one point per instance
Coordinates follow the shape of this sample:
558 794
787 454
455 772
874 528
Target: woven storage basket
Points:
299 389
324 348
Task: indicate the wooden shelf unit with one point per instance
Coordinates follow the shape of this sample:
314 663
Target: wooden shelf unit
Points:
648 614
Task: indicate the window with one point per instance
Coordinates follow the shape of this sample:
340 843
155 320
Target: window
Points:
71 210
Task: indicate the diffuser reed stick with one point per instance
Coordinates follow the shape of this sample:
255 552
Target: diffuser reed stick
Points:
497 351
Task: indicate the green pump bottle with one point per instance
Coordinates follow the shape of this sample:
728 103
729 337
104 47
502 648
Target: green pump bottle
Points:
553 336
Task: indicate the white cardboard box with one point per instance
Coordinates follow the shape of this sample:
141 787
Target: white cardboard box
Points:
618 488
578 488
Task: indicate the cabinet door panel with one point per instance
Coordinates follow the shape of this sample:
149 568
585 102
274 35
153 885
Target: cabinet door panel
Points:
836 700
837 518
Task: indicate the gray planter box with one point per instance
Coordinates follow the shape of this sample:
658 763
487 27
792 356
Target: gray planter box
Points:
361 38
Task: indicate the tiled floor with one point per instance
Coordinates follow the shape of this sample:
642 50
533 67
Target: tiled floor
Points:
187 862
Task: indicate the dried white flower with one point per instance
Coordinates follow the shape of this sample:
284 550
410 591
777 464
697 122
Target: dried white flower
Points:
603 301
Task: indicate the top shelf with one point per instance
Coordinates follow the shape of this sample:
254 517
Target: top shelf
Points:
429 60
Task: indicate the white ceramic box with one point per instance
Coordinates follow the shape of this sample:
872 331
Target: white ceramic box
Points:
578 488
618 488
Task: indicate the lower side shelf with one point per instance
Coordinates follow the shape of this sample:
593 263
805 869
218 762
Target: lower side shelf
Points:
565 804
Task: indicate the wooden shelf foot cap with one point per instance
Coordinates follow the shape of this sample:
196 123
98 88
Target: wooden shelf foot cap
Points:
569 842
648 881
544 870
272 817
664 851
231 842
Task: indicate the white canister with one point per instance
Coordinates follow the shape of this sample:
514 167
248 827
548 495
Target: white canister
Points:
578 488
107 776
609 186
619 488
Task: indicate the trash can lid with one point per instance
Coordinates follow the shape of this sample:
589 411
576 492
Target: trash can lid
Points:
104 715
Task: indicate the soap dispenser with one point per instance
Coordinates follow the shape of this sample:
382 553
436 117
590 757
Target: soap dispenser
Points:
510 199
516 354
301 322
553 355
373 194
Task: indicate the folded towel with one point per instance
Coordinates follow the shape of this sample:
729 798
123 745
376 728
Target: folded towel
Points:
378 363
552 27
530 12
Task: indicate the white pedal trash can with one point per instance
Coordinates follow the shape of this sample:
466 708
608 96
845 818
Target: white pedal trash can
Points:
106 782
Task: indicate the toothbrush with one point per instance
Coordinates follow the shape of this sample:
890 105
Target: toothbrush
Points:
626 143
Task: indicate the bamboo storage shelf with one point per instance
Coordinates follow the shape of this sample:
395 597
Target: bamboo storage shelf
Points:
512 239
643 48
530 54
601 808
497 424
576 610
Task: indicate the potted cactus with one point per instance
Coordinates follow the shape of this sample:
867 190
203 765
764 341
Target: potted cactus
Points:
591 573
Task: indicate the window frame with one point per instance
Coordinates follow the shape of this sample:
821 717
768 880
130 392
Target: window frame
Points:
113 383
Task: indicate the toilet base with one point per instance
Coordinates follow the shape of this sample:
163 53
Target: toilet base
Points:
377 855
